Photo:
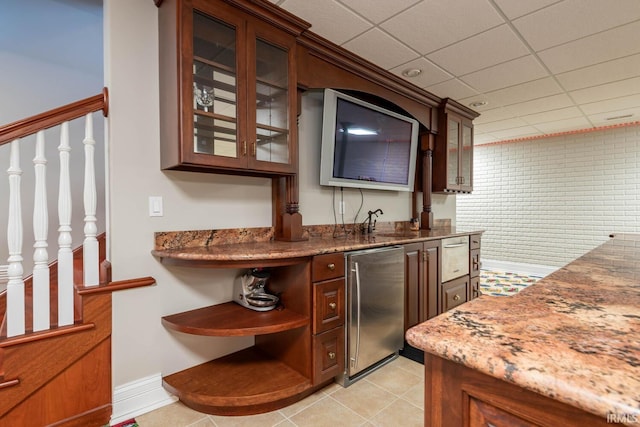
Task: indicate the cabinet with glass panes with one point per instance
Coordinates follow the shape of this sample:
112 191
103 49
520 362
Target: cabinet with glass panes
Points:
228 88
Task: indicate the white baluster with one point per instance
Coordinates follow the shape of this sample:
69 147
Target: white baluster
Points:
90 246
40 231
15 285
65 255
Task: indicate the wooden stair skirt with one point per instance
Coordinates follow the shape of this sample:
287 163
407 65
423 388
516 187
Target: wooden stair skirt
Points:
61 378
243 383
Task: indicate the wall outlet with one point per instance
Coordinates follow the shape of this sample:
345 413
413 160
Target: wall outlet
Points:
341 208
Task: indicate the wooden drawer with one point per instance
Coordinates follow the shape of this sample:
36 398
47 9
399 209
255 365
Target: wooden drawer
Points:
328 305
474 241
328 355
474 263
327 266
454 293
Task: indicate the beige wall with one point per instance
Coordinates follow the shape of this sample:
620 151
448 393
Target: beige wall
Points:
141 346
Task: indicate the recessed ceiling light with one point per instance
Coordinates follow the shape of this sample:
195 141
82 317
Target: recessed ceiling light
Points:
626 116
478 104
412 72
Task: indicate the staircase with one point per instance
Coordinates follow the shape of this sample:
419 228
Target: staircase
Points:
55 323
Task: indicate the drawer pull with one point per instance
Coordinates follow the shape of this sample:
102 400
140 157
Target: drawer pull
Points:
456 297
332 305
331 266
331 355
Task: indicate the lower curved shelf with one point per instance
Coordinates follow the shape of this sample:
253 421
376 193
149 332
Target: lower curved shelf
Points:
242 383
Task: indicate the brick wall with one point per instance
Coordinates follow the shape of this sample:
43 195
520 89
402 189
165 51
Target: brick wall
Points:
548 201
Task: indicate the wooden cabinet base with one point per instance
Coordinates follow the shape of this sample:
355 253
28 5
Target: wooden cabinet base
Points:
242 383
459 396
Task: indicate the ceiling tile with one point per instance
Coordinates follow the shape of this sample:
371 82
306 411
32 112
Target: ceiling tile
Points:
478 52
493 115
611 105
453 88
607 91
431 74
572 19
500 125
616 117
329 19
564 125
552 115
434 24
524 92
611 44
378 11
617 69
521 132
381 49
515 8
483 139
506 74
553 102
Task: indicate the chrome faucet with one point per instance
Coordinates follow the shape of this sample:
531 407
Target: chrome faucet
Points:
371 222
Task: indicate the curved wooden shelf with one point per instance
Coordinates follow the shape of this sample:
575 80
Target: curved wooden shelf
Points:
231 319
242 383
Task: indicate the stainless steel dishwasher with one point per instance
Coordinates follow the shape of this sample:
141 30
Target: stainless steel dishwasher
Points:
375 310
455 257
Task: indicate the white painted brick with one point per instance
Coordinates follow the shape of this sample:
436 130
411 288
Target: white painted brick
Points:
549 201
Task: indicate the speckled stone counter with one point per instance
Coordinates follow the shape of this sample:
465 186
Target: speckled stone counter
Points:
227 247
574 336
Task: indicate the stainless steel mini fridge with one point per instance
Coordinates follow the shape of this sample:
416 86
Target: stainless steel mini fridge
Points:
375 310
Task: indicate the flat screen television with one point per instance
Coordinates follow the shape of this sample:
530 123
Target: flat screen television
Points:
366 146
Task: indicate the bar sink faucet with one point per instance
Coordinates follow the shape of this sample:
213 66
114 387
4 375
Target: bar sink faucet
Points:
371 222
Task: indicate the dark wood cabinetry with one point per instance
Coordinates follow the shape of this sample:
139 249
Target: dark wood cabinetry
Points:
328 316
453 155
474 399
422 276
228 87
454 293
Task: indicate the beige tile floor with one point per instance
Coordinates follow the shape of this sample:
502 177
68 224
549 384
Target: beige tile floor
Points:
388 397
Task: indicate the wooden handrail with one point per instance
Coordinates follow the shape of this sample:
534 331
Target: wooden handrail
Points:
54 117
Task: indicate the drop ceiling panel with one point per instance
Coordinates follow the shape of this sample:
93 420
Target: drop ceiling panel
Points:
380 48
573 19
377 12
329 19
617 69
564 125
510 73
434 24
615 117
553 102
493 115
521 132
608 45
611 105
552 116
523 92
431 74
500 125
480 51
607 91
453 88
515 8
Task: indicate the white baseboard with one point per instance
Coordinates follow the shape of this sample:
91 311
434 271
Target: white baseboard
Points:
139 397
518 267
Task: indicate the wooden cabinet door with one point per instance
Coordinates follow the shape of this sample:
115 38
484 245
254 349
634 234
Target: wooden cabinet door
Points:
431 279
328 355
414 273
454 293
328 305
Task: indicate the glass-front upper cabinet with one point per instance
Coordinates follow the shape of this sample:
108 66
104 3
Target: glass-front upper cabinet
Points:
236 89
453 154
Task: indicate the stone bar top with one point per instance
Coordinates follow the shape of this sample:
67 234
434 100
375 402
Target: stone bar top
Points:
574 336
243 246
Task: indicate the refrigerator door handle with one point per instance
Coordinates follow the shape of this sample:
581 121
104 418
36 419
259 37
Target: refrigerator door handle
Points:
357 271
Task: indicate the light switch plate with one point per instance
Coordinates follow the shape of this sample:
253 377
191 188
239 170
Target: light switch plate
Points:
155 206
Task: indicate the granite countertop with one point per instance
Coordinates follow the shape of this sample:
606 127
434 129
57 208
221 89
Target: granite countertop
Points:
254 244
574 336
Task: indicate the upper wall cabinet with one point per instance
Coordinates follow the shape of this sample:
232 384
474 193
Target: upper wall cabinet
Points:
228 87
453 154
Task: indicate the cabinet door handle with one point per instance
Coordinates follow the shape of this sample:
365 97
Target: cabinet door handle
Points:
253 149
332 305
244 148
456 297
331 266
331 355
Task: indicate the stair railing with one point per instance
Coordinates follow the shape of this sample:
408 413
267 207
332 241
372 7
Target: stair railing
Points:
16 308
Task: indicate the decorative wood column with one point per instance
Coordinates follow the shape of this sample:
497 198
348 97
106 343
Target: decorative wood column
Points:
287 220
427 142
